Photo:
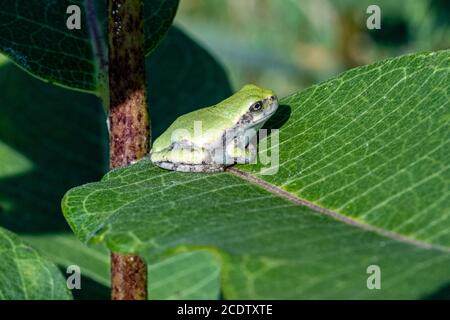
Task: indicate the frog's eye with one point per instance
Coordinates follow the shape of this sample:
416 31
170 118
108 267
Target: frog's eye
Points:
256 106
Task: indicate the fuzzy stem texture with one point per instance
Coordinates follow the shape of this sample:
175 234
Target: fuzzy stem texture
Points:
129 124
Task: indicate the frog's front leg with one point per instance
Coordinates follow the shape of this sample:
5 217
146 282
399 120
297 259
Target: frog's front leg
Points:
236 153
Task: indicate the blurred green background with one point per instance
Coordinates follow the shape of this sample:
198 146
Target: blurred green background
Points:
288 45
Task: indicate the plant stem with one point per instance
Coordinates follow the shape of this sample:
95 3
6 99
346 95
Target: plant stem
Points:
129 134
128 277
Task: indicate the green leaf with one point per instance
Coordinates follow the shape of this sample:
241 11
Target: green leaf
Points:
40 142
158 17
188 275
24 274
363 180
34 35
374 145
185 275
65 249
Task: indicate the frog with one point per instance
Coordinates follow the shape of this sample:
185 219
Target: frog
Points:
213 138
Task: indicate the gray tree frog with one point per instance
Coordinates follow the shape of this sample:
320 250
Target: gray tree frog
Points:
212 138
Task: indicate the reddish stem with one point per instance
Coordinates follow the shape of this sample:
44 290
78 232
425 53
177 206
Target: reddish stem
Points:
129 136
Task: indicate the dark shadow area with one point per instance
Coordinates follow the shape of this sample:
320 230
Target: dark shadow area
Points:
441 9
90 289
277 121
394 32
442 293
61 134
280 117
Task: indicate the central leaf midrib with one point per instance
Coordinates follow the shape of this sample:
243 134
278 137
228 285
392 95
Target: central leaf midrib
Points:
334 214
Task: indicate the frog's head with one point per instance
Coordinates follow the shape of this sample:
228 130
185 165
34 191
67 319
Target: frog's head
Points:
254 105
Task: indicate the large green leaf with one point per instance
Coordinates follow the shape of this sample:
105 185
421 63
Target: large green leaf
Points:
45 150
363 180
374 145
186 275
24 274
158 17
34 34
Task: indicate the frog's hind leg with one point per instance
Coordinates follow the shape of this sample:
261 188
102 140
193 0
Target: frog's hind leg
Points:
184 167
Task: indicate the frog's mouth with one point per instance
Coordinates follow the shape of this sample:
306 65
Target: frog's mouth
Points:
273 106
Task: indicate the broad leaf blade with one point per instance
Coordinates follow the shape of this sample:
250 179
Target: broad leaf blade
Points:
270 246
24 274
158 17
374 145
194 275
33 33
35 36
185 275
289 250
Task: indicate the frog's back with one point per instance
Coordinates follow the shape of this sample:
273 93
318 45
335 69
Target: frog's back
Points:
194 127
207 125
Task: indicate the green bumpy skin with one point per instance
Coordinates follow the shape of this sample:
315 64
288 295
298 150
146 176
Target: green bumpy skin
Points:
209 139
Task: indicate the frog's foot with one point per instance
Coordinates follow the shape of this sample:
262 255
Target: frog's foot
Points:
184 167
